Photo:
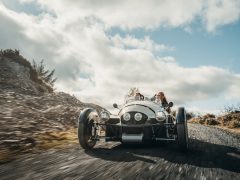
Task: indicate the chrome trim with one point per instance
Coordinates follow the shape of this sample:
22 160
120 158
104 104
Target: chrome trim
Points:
164 139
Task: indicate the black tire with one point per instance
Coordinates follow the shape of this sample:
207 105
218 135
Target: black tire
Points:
85 129
182 131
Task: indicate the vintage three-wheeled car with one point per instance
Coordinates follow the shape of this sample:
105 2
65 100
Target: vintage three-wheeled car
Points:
137 121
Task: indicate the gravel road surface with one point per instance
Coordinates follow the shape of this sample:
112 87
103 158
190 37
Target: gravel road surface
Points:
213 154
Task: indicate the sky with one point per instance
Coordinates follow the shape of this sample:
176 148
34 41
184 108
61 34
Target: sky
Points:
100 49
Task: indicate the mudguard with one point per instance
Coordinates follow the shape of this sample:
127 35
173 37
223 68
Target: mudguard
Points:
84 114
181 115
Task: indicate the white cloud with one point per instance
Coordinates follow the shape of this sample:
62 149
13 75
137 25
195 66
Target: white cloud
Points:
145 43
129 14
234 88
221 12
26 1
148 14
101 68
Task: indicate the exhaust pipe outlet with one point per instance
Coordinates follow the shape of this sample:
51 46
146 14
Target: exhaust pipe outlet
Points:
132 138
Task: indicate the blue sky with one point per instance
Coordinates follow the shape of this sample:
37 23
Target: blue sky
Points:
198 48
100 49
30 8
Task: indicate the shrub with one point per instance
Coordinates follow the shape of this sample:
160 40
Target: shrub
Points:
234 124
212 121
43 73
208 115
190 115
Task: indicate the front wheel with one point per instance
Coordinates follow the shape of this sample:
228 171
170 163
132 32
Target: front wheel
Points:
182 131
87 130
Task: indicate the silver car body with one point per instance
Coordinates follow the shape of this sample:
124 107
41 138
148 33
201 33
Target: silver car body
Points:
146 107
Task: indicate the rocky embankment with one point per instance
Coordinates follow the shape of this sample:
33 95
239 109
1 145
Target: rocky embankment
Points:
32 115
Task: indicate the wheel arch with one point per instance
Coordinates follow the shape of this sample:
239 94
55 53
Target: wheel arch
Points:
84 114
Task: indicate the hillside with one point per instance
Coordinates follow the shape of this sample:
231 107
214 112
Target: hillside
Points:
32 115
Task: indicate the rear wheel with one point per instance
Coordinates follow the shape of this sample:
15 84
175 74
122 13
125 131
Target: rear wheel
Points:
87 130
182 131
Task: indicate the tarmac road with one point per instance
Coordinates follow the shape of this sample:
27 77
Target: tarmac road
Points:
213 154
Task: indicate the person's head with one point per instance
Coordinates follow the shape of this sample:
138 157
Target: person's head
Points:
138 96
160 96
133 91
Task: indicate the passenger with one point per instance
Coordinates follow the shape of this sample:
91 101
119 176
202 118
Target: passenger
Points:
161 98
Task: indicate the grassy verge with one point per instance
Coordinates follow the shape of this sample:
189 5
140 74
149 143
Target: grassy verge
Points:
44 141
57 139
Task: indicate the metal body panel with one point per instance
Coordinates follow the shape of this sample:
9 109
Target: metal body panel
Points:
151 104
138 108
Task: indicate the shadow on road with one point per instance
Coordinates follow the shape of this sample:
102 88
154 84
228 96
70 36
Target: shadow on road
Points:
200 154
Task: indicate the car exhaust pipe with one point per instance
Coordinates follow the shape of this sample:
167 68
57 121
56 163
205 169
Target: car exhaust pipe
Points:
132 138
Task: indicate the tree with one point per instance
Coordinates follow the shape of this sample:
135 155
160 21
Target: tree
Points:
45 74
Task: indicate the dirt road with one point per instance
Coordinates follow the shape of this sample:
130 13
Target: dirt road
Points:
213 154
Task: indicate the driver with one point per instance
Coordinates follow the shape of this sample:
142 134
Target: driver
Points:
139 96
